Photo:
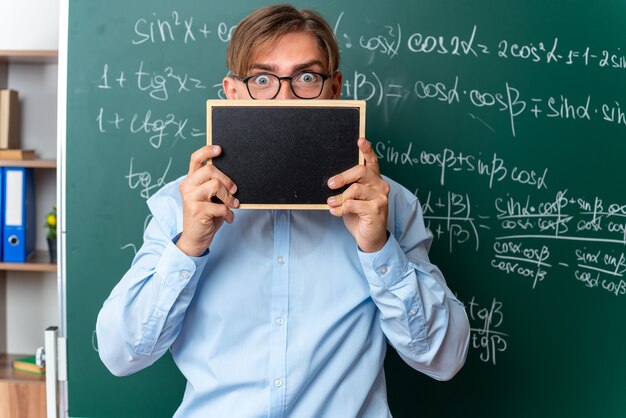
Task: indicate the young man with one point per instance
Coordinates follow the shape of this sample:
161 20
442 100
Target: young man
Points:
283 313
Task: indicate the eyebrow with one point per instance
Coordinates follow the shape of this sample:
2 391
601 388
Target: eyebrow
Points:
299 67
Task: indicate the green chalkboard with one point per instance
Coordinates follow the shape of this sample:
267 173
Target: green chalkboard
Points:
508 121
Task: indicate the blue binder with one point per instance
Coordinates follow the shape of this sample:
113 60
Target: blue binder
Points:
1 211
18 212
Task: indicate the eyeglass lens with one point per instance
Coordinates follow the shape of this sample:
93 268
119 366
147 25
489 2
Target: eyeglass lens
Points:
305 85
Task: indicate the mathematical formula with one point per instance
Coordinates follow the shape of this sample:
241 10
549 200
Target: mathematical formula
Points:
507 100
486 337
390 40
528 232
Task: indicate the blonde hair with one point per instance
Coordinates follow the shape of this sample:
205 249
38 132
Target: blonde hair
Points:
270 24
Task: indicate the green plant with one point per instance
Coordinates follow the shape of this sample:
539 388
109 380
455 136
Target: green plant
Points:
51 223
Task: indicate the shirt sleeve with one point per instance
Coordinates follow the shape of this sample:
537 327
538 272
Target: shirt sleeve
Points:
144 313
419 315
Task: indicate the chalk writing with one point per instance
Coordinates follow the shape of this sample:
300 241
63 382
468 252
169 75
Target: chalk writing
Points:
144 181
527 232
156 129
515 257
341 37
94 341
225 32
451 216
601 269
133 246
485 323
511 100
455 45
169 28
370 87
176 27
494 169
158 84
387 43
386 91
564 217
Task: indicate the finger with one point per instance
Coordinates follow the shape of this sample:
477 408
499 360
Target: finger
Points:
220 211
214 188
371 160
210 172
358 173
355 207
208 214
199 158
355 192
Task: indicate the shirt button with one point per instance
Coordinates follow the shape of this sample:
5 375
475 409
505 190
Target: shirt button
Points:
281 260
383 270
185 274
159 314
279 321
413 312
278 383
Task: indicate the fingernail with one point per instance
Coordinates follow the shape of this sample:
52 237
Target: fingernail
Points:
233 189
235 201
332 182
332 200
216 148
336 211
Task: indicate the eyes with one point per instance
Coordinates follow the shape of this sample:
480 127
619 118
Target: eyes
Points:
303 78
261 79
307 78
304 85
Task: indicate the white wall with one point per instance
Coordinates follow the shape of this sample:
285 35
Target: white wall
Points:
30 308
29 24
37 88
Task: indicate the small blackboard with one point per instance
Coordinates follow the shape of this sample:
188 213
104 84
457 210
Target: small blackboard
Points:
280 154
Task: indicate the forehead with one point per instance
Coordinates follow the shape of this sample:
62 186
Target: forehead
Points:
289 50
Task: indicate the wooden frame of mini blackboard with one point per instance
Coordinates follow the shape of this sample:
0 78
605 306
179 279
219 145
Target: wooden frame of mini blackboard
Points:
239 126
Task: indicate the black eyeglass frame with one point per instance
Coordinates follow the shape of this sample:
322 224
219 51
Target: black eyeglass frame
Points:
280 83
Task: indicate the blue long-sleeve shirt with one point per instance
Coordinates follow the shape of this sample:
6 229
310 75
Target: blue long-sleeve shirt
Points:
285 316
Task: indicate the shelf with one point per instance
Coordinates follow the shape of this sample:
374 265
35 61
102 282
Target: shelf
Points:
29 163
30 56
7 372
39 261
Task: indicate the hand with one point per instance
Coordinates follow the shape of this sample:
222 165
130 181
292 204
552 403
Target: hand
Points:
201 217
363 205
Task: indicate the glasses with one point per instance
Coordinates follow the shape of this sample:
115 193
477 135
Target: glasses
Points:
304 85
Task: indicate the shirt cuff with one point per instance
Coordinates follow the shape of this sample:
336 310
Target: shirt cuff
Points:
177 268
387 266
